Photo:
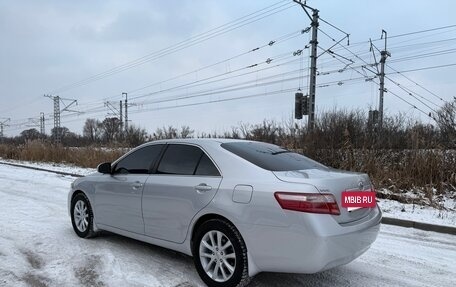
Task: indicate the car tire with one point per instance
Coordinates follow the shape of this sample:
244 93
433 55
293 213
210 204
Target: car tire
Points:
231 258
82 216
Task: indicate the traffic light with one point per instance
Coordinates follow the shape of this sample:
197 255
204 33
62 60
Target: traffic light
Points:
305 105
298 105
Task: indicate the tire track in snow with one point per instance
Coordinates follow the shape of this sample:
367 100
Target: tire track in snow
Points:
35 231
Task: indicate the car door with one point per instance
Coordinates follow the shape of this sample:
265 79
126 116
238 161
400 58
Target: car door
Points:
118 195
183 183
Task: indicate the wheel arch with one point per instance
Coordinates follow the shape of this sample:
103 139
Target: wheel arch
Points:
252 267
73 195
207 217
89 198
76 192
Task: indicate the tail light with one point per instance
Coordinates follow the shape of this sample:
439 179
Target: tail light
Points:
308 202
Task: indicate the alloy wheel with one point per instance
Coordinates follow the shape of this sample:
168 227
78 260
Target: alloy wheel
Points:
81 215
217 256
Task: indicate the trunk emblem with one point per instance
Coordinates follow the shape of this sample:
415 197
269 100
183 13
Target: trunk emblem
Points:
361 185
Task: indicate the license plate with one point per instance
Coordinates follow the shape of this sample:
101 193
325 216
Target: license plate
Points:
350 209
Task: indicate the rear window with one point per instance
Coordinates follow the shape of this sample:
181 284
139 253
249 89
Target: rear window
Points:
271 157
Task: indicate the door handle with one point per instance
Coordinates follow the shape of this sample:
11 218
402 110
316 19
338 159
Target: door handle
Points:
202 187
136 185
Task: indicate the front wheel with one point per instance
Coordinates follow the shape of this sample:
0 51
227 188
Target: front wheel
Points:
220 254
82 216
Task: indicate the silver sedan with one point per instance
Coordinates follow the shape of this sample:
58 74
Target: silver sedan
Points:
238 207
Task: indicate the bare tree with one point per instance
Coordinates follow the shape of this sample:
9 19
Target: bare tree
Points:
31 134
135 136
110 128
266 131
186 132
446 120
169 132
91 130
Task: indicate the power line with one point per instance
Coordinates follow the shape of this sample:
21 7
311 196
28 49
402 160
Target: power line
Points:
274 42
281 91
269 44
396 35
354 68
425 55
406 34
424 88
418 69
205 80
235 24
396 49
422 31
412 105
412 94
425 68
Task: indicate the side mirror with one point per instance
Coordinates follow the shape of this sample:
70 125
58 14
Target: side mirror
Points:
104 168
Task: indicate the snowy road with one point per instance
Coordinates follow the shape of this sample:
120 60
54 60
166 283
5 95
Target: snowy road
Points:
39 248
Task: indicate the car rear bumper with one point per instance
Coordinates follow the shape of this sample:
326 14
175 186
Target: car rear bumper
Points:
312 243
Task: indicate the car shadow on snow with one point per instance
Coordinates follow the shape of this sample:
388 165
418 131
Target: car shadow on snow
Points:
170 268
175 269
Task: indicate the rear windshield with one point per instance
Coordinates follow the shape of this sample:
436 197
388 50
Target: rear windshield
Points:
271 157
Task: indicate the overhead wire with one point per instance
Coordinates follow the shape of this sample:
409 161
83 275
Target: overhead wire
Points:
280 91
270 43
202 81
417 84
230 26
407 91
416 45
412 94
273 42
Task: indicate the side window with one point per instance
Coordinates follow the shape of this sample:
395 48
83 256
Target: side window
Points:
206 167
180 159
139 161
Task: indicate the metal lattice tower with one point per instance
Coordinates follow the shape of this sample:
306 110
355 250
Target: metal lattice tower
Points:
57 130
57 111
2 125
42 124
116 112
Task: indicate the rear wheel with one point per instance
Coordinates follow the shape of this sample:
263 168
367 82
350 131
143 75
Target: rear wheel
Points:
220 254
82 216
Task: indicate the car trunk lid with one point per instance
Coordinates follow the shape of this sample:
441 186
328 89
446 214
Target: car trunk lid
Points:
332 181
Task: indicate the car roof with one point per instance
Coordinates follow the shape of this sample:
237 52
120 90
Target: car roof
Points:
198 140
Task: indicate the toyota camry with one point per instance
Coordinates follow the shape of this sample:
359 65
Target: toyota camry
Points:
238 207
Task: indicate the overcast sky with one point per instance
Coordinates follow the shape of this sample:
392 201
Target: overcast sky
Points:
47 46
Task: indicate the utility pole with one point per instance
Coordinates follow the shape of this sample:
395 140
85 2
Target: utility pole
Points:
313 69
57 131
42 124
126 111
57 111
313 61
2 125
121 116
384 54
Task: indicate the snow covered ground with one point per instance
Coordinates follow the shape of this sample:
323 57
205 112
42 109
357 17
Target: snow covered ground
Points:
390 208
53 166
427 214
39 248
